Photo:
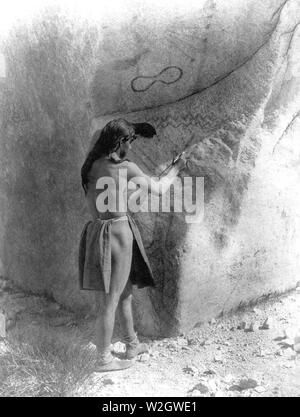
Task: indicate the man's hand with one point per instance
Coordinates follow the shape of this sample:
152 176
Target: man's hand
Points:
181 160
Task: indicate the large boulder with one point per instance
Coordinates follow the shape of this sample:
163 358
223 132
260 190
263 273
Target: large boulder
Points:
224 77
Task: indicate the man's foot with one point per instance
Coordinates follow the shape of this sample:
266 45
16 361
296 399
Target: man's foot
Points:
113 365
135 348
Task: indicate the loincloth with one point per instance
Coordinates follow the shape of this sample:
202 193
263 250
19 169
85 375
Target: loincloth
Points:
95 256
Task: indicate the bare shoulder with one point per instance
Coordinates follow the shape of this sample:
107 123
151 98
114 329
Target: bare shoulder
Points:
133 169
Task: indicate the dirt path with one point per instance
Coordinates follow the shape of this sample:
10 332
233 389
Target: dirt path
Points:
220 358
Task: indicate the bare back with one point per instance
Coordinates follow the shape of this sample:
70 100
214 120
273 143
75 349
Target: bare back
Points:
105 168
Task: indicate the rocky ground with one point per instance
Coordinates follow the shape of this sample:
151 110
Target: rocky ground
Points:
253 352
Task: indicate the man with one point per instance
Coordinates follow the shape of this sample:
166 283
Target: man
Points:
112 257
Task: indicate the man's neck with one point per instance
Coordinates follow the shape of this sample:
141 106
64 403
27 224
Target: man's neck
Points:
115 157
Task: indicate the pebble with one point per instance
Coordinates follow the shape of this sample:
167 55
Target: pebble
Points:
107 381
260 389
244 384
218 358
219 393
186 348
191 370
289 333
267 324
182 342
209 372
242 325
201 388
289 353
254 326
297 339
196 393
297 347
192 342
144 357
212 385
213 321
288 342
287 365
228 379
172 346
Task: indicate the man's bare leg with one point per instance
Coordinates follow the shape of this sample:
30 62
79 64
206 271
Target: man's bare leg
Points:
133 346
121 253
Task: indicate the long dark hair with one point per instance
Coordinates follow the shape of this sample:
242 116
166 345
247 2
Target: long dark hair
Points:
109 141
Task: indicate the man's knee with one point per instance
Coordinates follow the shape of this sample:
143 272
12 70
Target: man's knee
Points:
108 302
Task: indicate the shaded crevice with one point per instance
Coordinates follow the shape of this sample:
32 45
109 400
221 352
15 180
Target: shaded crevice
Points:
291 38
279 9
286 130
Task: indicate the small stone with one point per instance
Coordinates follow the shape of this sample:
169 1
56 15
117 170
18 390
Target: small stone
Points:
172 346
287 365
196 393
192 342
289 353
155 354
244 384
297 348
287 342
297 339
242 325
226 343
228 379
260 389
201 388
219 394
254 326
191 370
182 342
144 357
218 358
107 381
186 348
209 372
267 324
213 321
289 333
212 385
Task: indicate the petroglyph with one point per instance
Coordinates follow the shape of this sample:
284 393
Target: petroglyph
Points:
168 75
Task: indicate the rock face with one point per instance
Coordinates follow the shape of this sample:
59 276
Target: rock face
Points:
223 77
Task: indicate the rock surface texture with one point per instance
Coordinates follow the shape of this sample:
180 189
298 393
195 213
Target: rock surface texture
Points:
222 75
